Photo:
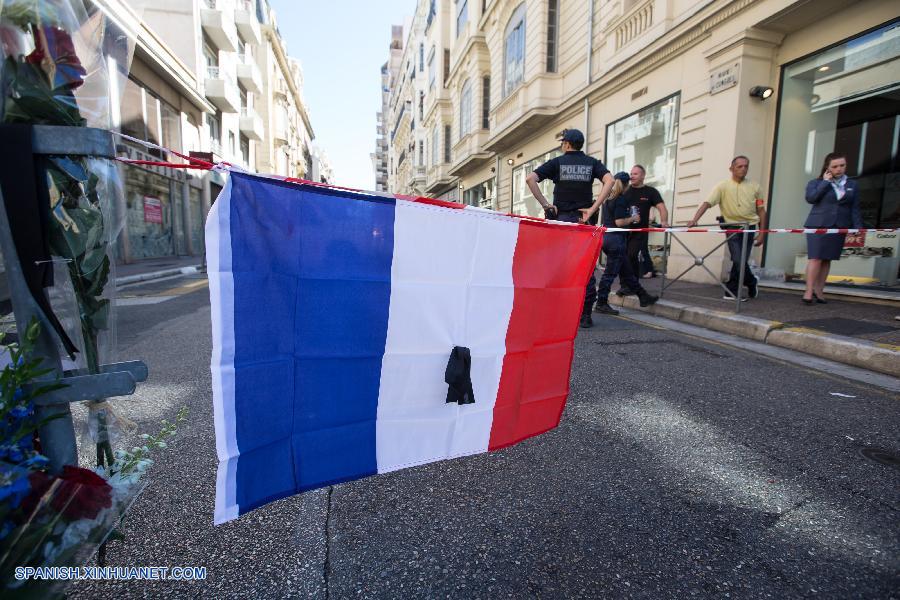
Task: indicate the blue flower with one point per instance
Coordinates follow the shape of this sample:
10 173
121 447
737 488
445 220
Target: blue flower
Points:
36 461
15 454
20 412
14 484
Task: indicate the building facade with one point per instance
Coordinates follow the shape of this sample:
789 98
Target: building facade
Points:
679 86
211 77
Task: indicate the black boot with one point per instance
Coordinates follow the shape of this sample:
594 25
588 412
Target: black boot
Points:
586 321
605 309
646 299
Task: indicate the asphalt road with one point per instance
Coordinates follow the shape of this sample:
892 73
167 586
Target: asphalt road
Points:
683 468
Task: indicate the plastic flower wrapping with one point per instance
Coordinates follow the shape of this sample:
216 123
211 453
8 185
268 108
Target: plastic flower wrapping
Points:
62 61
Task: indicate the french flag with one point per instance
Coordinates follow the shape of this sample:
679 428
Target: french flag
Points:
334 317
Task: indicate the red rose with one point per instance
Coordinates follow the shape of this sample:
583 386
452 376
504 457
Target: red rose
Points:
81 493
55 53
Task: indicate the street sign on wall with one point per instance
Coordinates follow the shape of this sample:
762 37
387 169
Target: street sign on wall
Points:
724 77
152 209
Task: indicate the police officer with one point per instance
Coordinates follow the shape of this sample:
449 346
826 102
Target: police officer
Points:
573 175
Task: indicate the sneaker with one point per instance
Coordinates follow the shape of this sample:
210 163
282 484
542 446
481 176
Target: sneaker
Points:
753 289
647 299
605 309
625 292
728 297
586 321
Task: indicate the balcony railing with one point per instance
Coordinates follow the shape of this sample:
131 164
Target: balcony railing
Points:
246 22
636 24
219 26
222 90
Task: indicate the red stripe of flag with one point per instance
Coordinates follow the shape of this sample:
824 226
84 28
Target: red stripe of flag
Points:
551 266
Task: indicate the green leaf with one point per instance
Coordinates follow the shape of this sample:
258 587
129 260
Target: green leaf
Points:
100 318
99 278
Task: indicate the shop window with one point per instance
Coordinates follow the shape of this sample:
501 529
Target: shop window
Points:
132 110
649 138
481 195
523 203
514 51
845 99
171 127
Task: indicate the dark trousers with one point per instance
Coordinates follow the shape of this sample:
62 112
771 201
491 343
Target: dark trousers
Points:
734 249
615 247
590 292
639 253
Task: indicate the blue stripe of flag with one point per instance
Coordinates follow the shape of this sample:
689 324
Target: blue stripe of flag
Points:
312 286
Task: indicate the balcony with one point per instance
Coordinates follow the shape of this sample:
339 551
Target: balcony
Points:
437 179
251 124
281 132
247 24
221 90
470 153
248 74
218 26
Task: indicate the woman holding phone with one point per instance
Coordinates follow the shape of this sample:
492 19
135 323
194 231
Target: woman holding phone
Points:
835 204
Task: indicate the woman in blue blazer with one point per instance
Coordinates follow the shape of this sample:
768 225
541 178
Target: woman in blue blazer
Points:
835 204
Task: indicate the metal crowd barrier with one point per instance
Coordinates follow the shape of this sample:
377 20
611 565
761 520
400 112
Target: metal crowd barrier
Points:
700 261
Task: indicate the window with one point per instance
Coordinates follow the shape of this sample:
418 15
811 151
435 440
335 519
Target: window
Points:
245 150
431 74
486 102
482 195
421 161
421 106
171 127
132 111
446 143
552 34
231 145
841 99
435 145
514 51
421 57
151 111
446 66
215 127
523 203
649 138
462 15
211 56
465 109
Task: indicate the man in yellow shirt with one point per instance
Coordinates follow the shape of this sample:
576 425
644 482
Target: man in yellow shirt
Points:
740 201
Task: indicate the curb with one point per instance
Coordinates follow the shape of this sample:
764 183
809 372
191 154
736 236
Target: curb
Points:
851 351
120 281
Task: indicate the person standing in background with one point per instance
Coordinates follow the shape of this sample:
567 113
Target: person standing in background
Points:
835 204
573 174
740 201
644 197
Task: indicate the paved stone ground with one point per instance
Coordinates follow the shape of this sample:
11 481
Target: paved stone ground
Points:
682 468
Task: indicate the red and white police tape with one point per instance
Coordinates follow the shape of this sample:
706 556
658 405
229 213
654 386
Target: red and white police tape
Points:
196 163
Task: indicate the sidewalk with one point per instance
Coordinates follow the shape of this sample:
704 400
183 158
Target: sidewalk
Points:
857 331
155 268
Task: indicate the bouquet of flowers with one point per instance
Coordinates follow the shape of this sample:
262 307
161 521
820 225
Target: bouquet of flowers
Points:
55 520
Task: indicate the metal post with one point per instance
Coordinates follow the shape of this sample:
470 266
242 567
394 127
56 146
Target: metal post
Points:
58 435
737 306
665 269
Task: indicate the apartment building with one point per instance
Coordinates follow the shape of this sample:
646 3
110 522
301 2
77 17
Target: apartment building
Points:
385 149
680 86
211 77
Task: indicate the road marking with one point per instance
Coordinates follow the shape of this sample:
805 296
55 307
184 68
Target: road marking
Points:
812 364
185 289
141 300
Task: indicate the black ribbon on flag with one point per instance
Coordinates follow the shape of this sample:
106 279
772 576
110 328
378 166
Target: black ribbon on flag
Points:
459 376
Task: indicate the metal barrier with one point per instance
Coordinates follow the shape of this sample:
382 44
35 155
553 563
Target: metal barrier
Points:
700 261
120 379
